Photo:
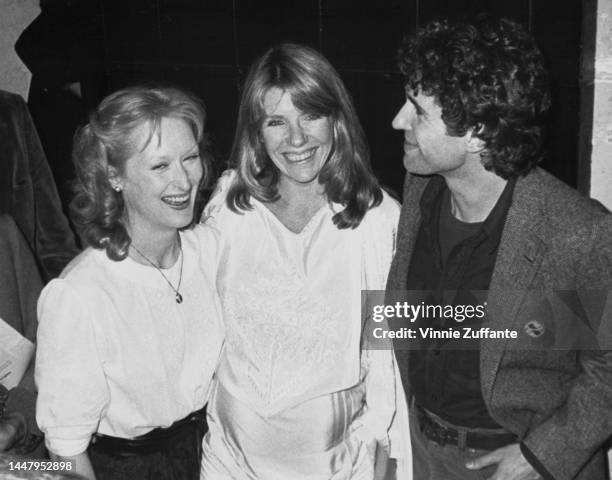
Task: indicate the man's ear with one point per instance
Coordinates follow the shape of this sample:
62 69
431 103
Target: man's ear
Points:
474 143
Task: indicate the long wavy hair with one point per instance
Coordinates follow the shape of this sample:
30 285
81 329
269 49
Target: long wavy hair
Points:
108 141
488 75
315 88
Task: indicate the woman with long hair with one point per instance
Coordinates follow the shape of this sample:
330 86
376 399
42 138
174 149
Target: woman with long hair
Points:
301 227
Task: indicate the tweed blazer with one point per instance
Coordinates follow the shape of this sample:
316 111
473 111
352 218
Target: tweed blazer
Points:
27 189
557 401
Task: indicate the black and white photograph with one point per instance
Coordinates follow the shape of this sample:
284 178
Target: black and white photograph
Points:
306 239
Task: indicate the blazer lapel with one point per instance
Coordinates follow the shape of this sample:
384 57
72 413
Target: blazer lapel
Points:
410 221
519 256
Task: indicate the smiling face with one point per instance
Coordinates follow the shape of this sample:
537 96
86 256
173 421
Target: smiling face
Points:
428 148
298 143
160 183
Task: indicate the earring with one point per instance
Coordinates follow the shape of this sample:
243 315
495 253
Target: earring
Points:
117 188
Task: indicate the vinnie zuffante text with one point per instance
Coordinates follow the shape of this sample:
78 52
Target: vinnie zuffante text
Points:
412 313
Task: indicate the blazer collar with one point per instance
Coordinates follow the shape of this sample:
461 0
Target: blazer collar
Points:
410 220
523 244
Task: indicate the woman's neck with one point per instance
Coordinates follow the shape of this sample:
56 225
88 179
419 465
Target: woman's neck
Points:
293 193
162 249
297 204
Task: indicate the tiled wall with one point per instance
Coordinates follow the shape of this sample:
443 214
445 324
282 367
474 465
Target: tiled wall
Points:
207 45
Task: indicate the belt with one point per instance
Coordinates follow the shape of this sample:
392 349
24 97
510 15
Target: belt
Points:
445 434
154 441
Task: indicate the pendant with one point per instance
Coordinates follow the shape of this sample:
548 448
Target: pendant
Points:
179 298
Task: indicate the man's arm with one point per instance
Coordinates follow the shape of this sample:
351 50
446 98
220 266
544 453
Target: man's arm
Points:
565 440
19 290
54 241
568 438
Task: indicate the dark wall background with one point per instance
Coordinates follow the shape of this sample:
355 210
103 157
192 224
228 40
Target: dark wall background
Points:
207 45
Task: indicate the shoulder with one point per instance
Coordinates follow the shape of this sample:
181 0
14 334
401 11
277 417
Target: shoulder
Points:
561 195
200 241
84 264
12 108
577 229
387 211
218 200
381 220
564 208
77 287
11 100
217 214
86 274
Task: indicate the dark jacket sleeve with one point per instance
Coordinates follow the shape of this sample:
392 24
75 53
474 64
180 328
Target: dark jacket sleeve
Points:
569 438
19 291
53 241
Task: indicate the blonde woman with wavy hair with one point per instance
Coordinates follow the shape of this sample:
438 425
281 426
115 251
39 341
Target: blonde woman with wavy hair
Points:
129 335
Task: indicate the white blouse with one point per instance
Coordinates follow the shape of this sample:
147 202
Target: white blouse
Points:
116 354
295 389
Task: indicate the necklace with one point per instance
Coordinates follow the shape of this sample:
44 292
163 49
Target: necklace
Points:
178 297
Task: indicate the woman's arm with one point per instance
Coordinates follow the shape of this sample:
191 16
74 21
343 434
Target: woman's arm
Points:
80 464
384 392
72 388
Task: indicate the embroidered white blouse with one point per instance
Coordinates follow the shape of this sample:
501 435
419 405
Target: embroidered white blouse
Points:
295 391
116 354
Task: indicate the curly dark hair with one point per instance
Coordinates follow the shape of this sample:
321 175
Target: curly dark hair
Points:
487 74
107 141
315 87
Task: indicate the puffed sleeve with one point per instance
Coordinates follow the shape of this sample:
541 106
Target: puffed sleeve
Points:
72 390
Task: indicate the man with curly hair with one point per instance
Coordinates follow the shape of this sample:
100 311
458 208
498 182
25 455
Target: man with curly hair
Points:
482 225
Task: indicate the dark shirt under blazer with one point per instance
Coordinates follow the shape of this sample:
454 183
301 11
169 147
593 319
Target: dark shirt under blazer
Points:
452 264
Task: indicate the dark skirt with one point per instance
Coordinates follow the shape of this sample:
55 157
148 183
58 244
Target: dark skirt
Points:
178 459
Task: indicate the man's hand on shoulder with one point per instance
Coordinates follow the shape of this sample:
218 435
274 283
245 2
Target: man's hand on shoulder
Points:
511 464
